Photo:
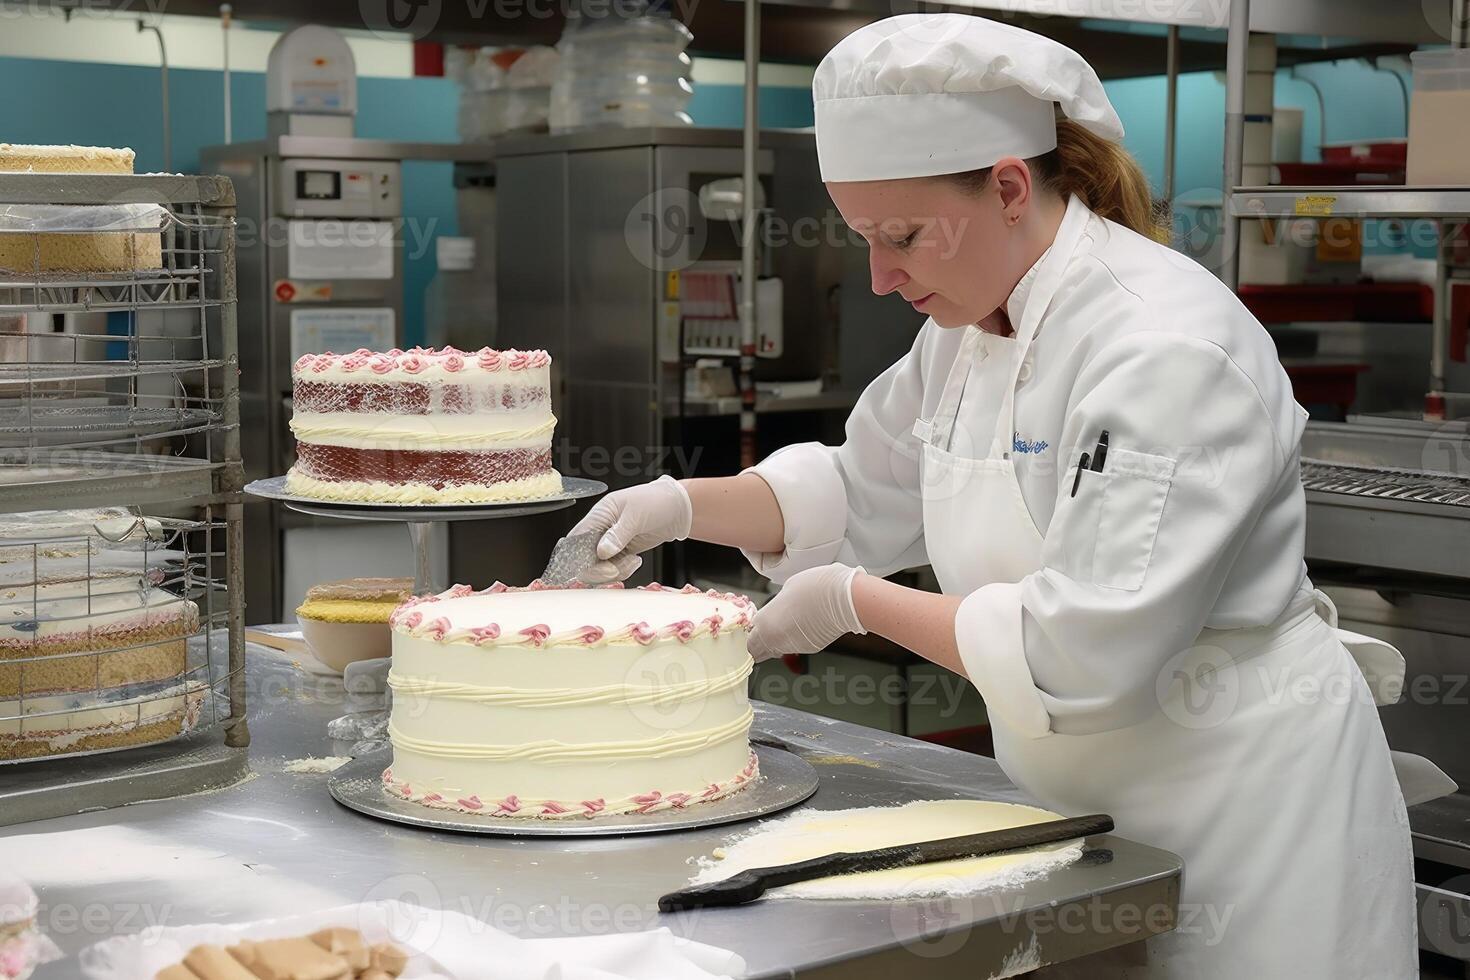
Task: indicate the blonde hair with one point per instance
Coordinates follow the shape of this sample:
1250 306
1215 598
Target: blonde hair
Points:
1099 171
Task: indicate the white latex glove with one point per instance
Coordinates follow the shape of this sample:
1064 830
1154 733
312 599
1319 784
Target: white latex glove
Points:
632 521
813 609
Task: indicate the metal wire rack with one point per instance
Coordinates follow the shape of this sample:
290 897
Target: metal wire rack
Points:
1387 483
118 362
178 268
111 638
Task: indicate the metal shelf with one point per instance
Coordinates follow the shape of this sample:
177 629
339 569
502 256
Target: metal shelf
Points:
1350 202
1442 830
1384 483
64 479
54 372
64 396
96 427
107 292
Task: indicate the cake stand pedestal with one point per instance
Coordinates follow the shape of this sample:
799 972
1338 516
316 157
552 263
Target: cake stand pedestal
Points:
421 518
784 780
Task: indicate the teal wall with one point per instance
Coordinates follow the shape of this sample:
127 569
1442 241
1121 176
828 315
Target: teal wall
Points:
1361 103
116 105
724 105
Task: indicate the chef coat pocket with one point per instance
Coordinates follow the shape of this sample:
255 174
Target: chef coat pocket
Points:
1069 545
1129 512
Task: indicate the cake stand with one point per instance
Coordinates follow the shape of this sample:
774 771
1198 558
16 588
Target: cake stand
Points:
785 780
421 518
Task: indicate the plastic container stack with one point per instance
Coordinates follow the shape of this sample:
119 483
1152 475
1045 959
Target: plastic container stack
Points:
502 90
622 71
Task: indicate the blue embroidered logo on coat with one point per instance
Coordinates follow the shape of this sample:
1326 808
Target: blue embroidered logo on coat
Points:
1020 445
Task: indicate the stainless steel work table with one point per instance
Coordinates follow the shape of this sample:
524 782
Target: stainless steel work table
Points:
277 844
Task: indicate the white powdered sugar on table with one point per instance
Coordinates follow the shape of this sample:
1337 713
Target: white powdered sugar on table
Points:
311 764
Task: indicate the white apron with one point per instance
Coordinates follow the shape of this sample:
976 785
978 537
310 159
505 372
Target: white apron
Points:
1286 811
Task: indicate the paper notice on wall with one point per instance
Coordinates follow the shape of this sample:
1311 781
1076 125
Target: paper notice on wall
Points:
341 330
332 248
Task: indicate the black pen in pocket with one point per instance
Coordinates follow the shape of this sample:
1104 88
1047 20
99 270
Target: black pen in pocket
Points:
1100 455
1081 465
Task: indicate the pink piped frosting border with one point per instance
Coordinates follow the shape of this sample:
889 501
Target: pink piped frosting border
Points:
415 617
417 360
514 806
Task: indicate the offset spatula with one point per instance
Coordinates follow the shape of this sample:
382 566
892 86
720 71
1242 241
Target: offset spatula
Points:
747 886
571 557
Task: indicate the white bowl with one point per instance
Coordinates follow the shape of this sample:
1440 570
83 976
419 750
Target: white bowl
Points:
338 644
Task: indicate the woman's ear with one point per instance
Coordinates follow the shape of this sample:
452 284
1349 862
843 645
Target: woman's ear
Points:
1013 186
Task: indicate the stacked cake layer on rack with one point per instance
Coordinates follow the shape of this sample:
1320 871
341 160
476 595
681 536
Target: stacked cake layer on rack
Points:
423 427
84 621
73 250
566 703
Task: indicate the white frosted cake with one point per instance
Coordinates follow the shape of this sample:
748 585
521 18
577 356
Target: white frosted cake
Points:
423 426
566 703
67 251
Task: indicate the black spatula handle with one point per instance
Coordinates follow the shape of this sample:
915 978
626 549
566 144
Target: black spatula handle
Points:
749 885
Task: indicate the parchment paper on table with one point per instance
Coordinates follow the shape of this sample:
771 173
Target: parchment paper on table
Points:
813 833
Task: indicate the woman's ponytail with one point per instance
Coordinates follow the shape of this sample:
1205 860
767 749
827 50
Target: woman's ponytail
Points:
1105 176
1100 172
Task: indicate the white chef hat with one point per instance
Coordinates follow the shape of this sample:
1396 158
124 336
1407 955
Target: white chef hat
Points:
920 95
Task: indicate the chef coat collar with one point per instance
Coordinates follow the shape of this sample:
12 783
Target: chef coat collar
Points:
1021 295
1016 302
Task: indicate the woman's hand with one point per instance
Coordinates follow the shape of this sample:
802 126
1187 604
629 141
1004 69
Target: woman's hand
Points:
632 521
813 609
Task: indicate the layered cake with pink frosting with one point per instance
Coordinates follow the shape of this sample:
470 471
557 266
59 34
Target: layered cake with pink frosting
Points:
423 426
570 703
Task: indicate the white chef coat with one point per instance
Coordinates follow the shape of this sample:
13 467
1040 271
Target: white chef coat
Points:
1143 343
1137 643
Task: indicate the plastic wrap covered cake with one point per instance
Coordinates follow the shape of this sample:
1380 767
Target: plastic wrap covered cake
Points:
93 646
423 426
72 251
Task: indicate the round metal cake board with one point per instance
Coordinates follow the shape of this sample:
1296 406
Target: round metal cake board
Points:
572 489
785 780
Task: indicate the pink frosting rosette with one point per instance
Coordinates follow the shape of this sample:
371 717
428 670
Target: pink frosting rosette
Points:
356 360
480 635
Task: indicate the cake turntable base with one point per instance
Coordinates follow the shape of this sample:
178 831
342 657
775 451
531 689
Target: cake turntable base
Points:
785 780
